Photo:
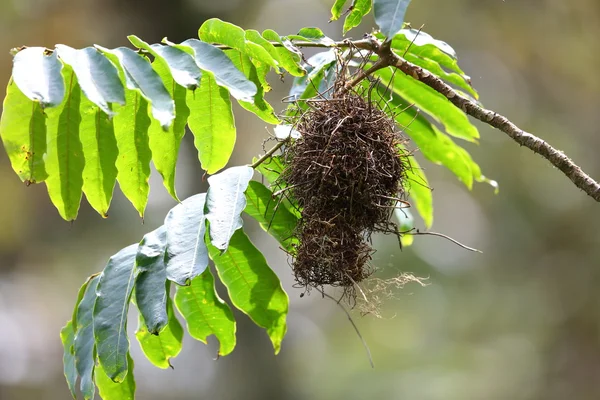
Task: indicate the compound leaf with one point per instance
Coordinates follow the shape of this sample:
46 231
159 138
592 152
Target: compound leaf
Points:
38 76
66 337
186 253
64 157
206 313
359 9
97 76
151 283
110 313
23 132
389 15
288 56
252 285
272 215
159 348
110 390
225 202
211 121
84 347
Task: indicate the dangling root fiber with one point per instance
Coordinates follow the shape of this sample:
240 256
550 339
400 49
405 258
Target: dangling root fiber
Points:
346 173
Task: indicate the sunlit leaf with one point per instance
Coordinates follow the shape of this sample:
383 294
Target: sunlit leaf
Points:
259 107
289 57
272 215
38 76
110 313
150 285
312 34
97 76
433 103
140 75
306 87
64 157
66 337
252 285
216 31
359 9
100 152
270 168
84 347
110 390
206 313
131 124
160 348
23 132
336 9
389 15
211 121
165 145
212 59
225 202
186 253
181 65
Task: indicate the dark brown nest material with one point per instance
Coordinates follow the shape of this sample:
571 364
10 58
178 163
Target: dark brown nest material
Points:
346 173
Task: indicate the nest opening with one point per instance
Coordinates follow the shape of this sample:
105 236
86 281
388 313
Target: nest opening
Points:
346 173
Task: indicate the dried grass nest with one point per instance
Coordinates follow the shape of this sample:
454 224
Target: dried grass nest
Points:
346 173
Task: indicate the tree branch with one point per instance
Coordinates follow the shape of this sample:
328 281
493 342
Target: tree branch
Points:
557 158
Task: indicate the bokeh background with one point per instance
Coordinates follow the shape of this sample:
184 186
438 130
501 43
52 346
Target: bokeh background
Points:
520 321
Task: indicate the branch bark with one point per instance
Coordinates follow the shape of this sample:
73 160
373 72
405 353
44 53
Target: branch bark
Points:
556 157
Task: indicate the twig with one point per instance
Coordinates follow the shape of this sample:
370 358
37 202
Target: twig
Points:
268 154
445 237
364 343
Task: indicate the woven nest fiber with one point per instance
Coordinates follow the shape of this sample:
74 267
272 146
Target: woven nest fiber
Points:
346 173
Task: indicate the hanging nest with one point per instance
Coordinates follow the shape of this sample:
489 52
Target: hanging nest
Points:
346 173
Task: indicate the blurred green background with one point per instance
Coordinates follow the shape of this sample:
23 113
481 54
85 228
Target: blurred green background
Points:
521 321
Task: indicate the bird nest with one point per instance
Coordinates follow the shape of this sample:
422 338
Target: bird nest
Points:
346 172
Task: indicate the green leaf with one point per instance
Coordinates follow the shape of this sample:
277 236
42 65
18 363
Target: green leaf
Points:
436 146
83 346
66 337
110 390
80 295
206 313
140 75
180 64
225 202
389 15
259 107
38 76
23 132
165 145
131 124
252 285
360 8
418 188
110 312
436 105
151 283
211 122
186 253
336 10
461 81
312 35
273 217
97 76
212 59
271 168
421 44
160 348
100 152
288 56
64 157
254 36
216 31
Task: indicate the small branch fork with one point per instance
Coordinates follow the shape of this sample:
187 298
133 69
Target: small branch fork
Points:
387 58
